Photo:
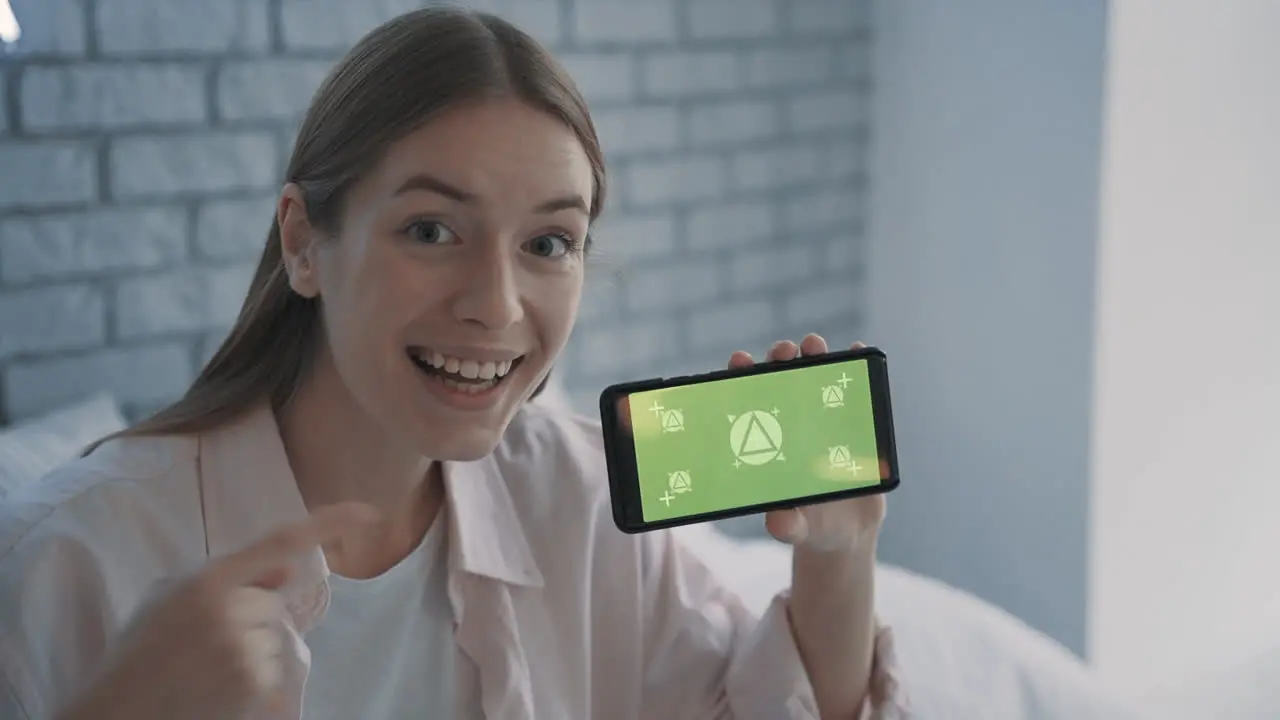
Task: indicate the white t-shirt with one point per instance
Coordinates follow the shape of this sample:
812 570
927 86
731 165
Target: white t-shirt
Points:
385 649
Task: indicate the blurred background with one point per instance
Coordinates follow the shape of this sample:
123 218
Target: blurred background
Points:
1058 219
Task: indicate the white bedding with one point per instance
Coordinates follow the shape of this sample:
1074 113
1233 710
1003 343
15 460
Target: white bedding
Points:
962 658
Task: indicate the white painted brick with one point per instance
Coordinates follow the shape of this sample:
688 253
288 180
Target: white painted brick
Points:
209 343
188 164
775 168
602 77
664 122
51 319
835 208
148 375
632 346
335 24
823 110
722 19
733 121
145 27
625 21
680 74
278 89
785 263
846 159
50 27
672 286
190 299
539 18
98 241
843 255
628 238
628 131
732 225
685 180
855 60
234 229
828 17
601 294
111 96
769 67
729 324
817 303
47 173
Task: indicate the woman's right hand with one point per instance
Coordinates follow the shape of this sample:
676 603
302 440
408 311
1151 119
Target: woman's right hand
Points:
211 647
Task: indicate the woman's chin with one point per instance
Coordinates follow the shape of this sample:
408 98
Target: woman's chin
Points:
462 443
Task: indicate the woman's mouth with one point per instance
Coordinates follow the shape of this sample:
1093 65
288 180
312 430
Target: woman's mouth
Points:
466 375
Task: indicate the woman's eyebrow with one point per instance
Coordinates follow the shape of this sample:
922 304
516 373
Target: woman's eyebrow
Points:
568 202
422 182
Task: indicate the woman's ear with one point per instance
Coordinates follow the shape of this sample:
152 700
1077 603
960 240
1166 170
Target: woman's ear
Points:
297 242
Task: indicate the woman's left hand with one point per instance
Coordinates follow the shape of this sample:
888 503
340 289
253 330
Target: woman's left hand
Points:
838 525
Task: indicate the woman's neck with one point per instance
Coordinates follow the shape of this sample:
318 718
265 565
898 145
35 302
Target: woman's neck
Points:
338 453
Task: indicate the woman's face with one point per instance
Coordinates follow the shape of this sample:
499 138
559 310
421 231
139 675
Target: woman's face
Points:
456 276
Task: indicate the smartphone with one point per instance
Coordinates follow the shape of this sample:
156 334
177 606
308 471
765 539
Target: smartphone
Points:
738 442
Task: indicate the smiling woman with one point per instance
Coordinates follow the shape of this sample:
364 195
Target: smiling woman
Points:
355 511
386 200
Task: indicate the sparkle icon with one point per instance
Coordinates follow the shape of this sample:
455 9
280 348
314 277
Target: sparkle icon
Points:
671 420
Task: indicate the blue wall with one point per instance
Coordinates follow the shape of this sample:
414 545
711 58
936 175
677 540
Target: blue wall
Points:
985 168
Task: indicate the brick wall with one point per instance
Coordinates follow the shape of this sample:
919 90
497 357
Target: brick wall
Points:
141 144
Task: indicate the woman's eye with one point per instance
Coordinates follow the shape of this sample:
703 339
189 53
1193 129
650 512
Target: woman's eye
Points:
550 246
430 233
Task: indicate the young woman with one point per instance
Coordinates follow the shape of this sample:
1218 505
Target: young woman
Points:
355 513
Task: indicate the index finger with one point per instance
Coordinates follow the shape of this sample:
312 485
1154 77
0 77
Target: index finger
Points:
274 551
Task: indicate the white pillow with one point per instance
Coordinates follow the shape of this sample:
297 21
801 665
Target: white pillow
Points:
31 449
1246 690
961 657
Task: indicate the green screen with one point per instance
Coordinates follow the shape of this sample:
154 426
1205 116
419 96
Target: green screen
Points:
754 439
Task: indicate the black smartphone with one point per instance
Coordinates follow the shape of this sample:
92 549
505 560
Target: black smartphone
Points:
737 442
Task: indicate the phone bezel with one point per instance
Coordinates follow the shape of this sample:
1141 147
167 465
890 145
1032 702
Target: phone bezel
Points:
624 482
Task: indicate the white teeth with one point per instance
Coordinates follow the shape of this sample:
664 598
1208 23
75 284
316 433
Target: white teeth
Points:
468 369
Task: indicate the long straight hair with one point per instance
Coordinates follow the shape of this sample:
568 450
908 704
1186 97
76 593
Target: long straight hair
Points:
395 80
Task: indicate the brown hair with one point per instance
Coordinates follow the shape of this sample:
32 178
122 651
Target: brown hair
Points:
392 82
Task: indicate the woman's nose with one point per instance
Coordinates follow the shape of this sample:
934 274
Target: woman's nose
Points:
488 293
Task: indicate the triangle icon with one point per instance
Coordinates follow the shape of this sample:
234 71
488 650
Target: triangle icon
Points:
756 439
